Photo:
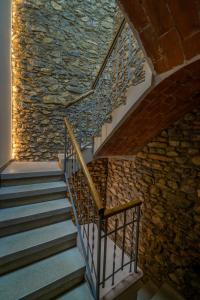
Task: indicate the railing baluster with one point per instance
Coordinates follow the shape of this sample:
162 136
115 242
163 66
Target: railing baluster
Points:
99 228
65 151
123 241
88 233
84 217
137 238
132 241
73 164
93 240
68 155
105 253
114 251
89 212
78 192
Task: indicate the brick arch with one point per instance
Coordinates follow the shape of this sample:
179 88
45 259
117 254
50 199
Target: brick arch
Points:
165 103
169 30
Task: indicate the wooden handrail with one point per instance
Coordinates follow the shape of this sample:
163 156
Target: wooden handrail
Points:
85 95
107 212
112 46
103 65
116 210
88 177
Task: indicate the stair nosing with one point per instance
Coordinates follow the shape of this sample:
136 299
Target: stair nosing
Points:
45 266
37 191
32 217
35 216
25 175
5 258
34 249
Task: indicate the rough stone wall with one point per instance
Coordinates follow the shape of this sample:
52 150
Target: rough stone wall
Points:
85 206
165 175
124 68
99 171
57 48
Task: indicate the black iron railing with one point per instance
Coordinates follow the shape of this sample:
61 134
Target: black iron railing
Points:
108 237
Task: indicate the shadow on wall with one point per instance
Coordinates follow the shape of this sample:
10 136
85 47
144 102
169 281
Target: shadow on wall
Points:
165 176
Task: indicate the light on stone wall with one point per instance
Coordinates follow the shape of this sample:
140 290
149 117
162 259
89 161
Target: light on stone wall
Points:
51 67
14 50
12 93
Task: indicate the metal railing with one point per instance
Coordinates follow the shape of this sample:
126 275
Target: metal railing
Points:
103 65
108 236
122 67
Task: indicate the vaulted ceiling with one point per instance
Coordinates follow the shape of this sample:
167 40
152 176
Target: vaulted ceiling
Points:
169 29
169 32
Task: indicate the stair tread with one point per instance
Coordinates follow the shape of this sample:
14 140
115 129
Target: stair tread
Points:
31 189
33 238
147 291
166 292
32 278
82 292
14 213
24 169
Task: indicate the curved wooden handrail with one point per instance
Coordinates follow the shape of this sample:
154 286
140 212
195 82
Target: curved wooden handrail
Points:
83 96
88 177
106 212
103 65
112 46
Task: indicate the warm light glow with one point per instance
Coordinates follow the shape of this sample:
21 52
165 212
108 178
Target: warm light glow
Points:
14 49
13 145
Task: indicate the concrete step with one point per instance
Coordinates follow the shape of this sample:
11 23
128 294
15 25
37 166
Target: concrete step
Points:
32 180
166 292
45 279
80 292
20 172
24 248
30 193
21 218
147 291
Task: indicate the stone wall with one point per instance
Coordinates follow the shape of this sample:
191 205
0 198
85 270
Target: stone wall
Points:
85 206
99 171
57 48
124 68
165 175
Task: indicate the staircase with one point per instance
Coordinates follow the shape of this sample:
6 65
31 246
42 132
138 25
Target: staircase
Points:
119 86
38 254
39 258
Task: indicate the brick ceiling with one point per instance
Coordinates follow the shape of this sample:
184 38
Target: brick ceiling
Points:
162 106
169 29
170 34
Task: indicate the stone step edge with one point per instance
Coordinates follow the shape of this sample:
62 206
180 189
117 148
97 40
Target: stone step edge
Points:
37 252
57 286
35 217
29 193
